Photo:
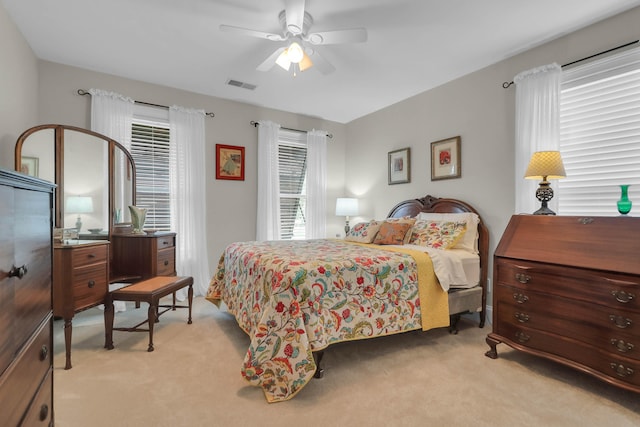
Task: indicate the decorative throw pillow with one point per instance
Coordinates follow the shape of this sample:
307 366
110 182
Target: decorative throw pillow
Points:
437 234
469 241
403 220
392 233
363 232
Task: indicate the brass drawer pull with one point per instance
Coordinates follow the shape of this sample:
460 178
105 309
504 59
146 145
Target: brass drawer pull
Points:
91 283
622 296
91 255
522 337
585 221
621 370
522 318
18 272
44 412
520 299
621 346
620 322
523 278
166 262
44 352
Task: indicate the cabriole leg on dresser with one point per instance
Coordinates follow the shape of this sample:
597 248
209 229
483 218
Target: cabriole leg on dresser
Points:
493 352
108 322
67 342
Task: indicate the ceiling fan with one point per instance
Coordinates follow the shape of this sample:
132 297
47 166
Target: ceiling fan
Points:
298 51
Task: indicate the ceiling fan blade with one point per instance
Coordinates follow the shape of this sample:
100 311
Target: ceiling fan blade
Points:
268 63
251 33
294 10
354 35
321 64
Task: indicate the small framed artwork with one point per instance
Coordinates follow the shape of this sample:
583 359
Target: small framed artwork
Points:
29 166
229 162
445 159
400 166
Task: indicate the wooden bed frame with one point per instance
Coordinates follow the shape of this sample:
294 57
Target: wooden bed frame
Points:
432 204
461 301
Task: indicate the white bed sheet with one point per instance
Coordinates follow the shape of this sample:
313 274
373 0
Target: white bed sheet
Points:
454 268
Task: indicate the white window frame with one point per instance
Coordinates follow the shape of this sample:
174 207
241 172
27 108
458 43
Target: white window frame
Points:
152 117
600 134
297 140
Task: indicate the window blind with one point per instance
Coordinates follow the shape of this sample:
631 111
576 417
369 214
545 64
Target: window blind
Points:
292 162
150 151
600 134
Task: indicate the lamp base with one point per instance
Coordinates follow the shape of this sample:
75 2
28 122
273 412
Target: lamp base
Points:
544 193
544 210
346 228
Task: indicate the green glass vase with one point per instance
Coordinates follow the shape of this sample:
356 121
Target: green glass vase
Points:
624 204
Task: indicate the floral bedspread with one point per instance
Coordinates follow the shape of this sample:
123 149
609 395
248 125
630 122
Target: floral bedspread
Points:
295 297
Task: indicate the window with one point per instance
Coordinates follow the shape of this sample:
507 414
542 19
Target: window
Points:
600 134
150 150
292 163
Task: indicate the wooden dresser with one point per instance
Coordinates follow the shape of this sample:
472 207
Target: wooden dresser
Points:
568 289
143 255
80 281
26 339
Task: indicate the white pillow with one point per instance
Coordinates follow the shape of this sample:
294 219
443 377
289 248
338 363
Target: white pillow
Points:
469 240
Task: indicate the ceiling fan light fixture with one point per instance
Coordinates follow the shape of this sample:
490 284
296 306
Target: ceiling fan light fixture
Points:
283 60
305 63
295 52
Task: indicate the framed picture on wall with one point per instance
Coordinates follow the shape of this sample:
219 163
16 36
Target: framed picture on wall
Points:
29 166
400 166
445 159
229 162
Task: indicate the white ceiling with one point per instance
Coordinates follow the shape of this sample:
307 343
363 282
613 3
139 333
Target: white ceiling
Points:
412 46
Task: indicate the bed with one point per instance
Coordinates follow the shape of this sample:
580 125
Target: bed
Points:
296 298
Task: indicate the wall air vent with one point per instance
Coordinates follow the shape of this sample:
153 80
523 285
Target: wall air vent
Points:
243 85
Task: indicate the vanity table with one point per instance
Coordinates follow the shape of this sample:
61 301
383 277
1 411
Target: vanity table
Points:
80 281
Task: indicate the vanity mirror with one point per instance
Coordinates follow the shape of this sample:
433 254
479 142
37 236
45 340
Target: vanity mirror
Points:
94 174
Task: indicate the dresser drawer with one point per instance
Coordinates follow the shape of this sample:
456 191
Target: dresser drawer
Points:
89 255
40 413
90 285
21 380
610 367
604 288
612 330
166 242
166 262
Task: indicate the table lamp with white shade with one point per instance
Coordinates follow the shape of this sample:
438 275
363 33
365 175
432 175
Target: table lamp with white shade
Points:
346 206
79 205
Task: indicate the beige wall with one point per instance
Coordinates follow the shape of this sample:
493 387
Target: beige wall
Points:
18 87
231 205
477 108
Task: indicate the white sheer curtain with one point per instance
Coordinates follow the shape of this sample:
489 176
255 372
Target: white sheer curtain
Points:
188 196
537 127
268 212
112 115
316 185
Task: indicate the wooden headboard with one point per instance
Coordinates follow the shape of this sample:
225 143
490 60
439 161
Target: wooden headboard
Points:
432 204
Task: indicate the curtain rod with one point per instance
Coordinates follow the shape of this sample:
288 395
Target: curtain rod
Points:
506 85
255 125
84 92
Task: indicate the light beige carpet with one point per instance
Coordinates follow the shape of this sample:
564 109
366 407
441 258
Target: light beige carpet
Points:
413 379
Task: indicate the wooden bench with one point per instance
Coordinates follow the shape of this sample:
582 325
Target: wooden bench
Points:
149 291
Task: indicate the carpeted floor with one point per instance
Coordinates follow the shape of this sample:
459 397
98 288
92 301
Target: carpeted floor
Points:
413 379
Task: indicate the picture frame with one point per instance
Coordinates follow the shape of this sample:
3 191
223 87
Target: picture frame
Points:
445 159
229 162
29 166
399 166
